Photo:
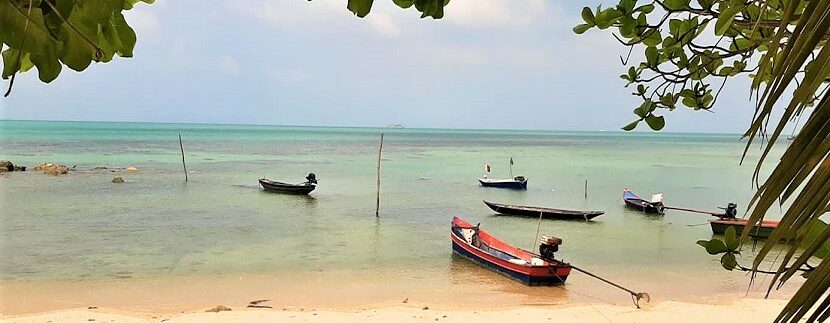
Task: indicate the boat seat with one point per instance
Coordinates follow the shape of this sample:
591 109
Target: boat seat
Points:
468 235
517 261
536 262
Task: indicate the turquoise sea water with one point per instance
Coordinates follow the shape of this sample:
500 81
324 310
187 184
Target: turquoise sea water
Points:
83 227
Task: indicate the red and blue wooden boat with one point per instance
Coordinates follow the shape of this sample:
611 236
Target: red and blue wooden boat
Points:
482 248
635 202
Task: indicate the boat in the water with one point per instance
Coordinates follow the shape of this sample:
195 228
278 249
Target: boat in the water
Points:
279 187
517 183
544 212
635 202
479 246
762 231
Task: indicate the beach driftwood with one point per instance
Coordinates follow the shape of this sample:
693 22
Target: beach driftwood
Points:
218 308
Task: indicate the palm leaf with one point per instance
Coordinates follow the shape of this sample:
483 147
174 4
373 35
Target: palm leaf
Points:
802 175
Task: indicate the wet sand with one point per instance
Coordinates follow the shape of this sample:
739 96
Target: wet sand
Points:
677 312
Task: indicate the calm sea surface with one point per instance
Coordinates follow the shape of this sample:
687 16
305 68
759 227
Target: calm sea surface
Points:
83 227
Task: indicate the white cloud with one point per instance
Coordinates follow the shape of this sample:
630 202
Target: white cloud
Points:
383 24
228 65
495 13
290 76
143 20
325 16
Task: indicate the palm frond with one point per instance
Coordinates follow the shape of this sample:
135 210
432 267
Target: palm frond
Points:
802 175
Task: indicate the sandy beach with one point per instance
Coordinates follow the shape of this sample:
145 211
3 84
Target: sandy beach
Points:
757 310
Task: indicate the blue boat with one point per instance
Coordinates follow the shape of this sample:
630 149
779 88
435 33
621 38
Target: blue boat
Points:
517 183
635 202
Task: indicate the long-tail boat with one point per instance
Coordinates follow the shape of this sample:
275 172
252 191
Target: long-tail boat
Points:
517 183
762 231
279 187
544 212
635 202
479 246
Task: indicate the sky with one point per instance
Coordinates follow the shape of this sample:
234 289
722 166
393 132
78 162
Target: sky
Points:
495 64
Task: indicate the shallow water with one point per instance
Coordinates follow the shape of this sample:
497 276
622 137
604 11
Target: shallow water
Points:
82 227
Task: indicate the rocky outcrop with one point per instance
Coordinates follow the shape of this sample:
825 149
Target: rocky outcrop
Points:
52 169
118 179
6 166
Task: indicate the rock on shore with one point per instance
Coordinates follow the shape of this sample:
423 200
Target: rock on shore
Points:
52 169
7 166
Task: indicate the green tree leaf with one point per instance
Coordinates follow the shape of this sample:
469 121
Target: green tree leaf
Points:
360 8
714 246
656 123
731 239
652 56
588 16
581 28
725 19
631 126
403 3
676 4
728 261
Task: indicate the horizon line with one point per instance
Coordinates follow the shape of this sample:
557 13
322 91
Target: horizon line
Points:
372 127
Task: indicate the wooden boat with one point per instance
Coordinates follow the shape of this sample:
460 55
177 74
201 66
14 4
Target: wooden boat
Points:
548 213
761 232
517 183
482 248
635 202
280 187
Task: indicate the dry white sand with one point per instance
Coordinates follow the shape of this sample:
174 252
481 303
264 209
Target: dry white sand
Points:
752 310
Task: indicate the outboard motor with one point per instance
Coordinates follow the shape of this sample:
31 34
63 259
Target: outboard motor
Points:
311 178
548 246
730 211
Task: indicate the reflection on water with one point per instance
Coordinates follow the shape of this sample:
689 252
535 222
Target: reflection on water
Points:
465 273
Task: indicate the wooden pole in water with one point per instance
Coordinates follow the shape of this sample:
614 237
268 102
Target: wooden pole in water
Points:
183 164
377 202
538 226
586 189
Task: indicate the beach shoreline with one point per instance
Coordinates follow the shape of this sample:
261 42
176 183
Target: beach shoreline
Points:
674 311
334 291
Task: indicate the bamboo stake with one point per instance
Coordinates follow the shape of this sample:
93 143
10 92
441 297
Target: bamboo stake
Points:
183 164
377 202
713 213
538 226
586 189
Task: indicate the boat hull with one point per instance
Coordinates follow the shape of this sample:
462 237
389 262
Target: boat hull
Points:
635 202
508 184
519 276
554 273
284 188
547 213
759 232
